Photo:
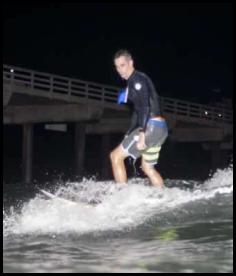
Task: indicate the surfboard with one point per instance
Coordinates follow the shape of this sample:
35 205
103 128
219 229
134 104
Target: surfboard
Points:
64 200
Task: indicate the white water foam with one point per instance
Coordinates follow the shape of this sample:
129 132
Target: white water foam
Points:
120 207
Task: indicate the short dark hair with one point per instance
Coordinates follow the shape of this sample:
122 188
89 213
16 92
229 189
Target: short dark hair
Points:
123 52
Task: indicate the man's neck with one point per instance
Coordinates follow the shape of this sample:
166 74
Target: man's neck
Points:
131 73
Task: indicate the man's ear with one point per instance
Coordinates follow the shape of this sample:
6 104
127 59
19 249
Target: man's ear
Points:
131 63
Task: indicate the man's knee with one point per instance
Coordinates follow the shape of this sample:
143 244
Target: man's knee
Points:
147 168
116 156
113 155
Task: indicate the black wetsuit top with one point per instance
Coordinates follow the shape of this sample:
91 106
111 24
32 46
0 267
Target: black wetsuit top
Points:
144 98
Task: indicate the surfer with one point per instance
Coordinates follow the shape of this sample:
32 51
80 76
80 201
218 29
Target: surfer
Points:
148 129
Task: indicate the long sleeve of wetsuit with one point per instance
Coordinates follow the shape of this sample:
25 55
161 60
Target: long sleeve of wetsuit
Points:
142 104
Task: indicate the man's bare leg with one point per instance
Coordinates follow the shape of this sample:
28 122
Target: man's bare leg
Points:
152 174
118 166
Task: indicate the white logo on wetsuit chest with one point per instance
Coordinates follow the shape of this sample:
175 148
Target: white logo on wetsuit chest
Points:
137 86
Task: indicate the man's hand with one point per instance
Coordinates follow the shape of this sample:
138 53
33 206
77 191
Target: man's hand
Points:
141 141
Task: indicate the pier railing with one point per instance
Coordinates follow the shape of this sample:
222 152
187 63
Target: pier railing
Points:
36 83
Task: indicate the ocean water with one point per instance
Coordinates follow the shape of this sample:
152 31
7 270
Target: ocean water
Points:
185 227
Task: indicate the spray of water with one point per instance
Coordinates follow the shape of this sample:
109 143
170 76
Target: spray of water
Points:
111 207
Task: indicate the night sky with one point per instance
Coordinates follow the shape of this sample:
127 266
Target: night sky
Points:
187 49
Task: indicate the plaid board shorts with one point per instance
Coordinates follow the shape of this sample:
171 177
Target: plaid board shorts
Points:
155 135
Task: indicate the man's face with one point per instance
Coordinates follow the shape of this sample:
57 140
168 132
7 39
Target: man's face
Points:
124 66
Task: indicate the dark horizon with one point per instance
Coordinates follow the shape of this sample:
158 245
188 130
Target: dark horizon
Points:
187 49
